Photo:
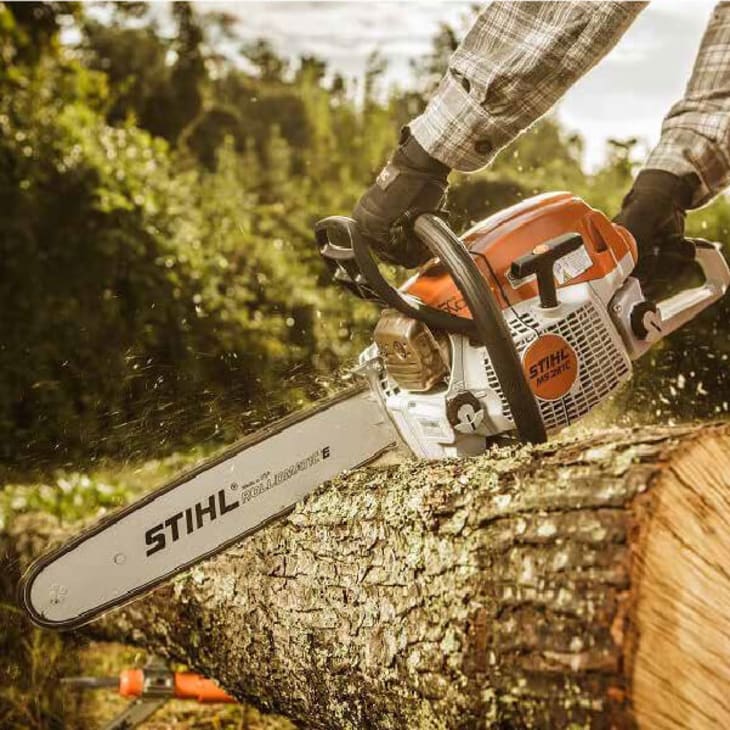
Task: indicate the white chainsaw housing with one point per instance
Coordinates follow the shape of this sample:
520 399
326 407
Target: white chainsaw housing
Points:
596 318
581 318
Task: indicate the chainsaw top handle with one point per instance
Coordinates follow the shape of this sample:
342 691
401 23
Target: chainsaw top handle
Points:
348 255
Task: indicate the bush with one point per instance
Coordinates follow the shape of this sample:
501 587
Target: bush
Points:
140 294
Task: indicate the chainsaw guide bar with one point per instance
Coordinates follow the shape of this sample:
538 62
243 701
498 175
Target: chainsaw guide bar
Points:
205 510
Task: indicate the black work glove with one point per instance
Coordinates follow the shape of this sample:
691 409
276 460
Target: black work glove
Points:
412 182
654 212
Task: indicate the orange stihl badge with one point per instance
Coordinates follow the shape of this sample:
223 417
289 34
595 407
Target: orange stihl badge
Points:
551 366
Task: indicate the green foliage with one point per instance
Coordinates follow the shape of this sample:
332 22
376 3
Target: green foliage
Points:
71 497
145 295
267 64
31 697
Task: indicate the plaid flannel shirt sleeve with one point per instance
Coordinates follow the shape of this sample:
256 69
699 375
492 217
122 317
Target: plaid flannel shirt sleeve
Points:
515 62
696 131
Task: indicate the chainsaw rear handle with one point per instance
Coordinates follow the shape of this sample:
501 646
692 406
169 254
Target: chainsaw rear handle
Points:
677 310
358 270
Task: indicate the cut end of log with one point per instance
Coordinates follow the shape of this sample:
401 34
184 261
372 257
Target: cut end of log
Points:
681 623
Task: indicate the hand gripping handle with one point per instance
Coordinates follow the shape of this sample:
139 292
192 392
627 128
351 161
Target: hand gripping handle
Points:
677 310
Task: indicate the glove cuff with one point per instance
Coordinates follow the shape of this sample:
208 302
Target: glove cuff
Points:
418 158
679 189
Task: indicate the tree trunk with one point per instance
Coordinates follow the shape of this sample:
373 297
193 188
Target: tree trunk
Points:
578 582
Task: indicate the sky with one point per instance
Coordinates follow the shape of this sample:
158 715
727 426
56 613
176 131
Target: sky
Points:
626 95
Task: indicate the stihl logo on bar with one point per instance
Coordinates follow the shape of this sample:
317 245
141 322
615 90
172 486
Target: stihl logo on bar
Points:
219 503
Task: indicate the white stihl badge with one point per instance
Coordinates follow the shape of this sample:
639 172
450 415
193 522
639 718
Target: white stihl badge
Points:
551 367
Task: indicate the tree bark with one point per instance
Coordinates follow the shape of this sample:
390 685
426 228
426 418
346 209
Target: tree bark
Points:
581 582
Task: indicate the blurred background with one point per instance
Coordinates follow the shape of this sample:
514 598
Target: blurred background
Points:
161 166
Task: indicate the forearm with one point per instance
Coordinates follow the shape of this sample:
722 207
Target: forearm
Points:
516 61
696 132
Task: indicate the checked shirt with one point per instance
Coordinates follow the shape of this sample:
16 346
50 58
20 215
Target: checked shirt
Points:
519 58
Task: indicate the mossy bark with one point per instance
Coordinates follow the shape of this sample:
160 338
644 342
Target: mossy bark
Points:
528 587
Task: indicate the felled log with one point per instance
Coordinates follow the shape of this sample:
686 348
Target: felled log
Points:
579 582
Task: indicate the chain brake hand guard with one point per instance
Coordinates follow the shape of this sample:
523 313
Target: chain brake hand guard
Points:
340 259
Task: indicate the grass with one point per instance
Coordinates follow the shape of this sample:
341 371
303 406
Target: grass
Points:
33 698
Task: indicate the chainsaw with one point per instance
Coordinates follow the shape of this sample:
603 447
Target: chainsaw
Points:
522 326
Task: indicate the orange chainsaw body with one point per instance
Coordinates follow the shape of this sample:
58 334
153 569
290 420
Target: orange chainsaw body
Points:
505 236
